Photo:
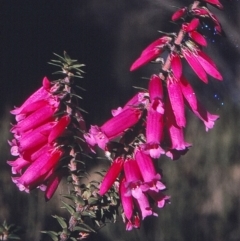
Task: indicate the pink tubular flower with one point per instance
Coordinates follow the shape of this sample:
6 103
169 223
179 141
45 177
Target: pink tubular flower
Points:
215 3
176 99
156 94
147 169
179 13
194 63
35 141
133 178
144 206
190 28
154 125
37 172
204 12
159 198
176 65
178 144
154 131
195 106
41 94
136 101
53 181
127 201
111 175
113 127
151 52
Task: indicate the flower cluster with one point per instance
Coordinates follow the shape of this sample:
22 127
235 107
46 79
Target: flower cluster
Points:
43 128
152 123
34 141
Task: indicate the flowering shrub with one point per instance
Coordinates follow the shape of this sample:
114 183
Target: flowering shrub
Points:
50 139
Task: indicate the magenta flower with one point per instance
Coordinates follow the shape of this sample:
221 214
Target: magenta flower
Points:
111 175
154 131
215 3
40 95
150 176
144 206
53 181
136 101
38 171
154 125
200 63
176 65
179 13
156 94
159 198
175 133
133 223
113 127
176 99
194 63
133 178
35 141
190 28
203 12
195 106
18 165
151 52
127 201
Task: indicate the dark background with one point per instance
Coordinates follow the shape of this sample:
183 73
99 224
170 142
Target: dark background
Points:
108 36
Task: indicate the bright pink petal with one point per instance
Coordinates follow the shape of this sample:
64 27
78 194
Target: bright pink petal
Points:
215 3
40 94
154 131
208 65
36 119
59 128
196 66
159 198
192 25
53 183
146 58
188 93
144 206
198 38
155 88
18 165
120 123
179 13
146 166
174 131
38 169
132 172
177 103
127 201
36 138
111 175
159 43
176 65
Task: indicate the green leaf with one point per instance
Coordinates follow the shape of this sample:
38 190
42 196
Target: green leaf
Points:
61 221
79 87
78 96
60 57
69 208
99 173
58 65
84 228
92 201
89 213
53 235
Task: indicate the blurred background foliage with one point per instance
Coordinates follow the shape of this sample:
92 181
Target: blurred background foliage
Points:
108 36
